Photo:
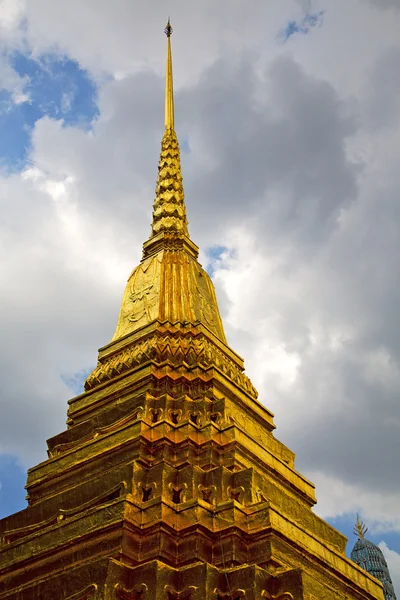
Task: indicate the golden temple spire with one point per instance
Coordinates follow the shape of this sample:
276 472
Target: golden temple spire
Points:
360 529
169 87
169 214
169 285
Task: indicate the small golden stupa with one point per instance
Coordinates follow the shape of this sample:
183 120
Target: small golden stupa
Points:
168 482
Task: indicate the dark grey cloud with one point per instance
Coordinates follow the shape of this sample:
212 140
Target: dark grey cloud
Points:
385 4
283 156
340 316
382 92
351 424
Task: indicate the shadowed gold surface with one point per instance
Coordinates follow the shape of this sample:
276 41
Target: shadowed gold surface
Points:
168 482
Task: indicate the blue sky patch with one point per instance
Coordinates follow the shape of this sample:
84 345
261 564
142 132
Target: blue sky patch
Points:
217 256
345 524
12 482
77 381
57 87
184 146
303 26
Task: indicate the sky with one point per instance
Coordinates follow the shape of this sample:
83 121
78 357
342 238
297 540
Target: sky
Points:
288 116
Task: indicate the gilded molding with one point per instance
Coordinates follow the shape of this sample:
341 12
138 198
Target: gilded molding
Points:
107 496
176 350
98 432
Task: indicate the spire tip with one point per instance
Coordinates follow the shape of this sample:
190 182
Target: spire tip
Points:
360 529
169 93
168 29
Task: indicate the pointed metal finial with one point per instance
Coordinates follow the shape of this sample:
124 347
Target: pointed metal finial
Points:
168 29
360 529
169 88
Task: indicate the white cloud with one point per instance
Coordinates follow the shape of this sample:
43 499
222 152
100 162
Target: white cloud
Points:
393 562
338 497
12 82
11 13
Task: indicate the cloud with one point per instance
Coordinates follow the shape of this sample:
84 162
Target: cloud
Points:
327 329
43 288
393 562
217 258
386 4
12 82
382 92
245 150
341 497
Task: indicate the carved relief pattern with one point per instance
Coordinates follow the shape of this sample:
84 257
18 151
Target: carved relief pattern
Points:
137 593
141 297
158 348
172 594
208 494
236 493
282 596
169 212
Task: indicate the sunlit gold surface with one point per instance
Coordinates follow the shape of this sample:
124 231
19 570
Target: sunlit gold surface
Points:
170 286
168 482
169 207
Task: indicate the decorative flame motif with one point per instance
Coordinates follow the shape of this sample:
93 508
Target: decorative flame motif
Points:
360 529
139 593
173 594
283 596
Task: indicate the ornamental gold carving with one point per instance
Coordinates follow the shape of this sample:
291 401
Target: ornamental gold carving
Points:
208 493
169 212
230 595
176 349
282 596
235 493
137 593
186 594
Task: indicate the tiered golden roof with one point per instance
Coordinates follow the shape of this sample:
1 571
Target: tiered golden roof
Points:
168 482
